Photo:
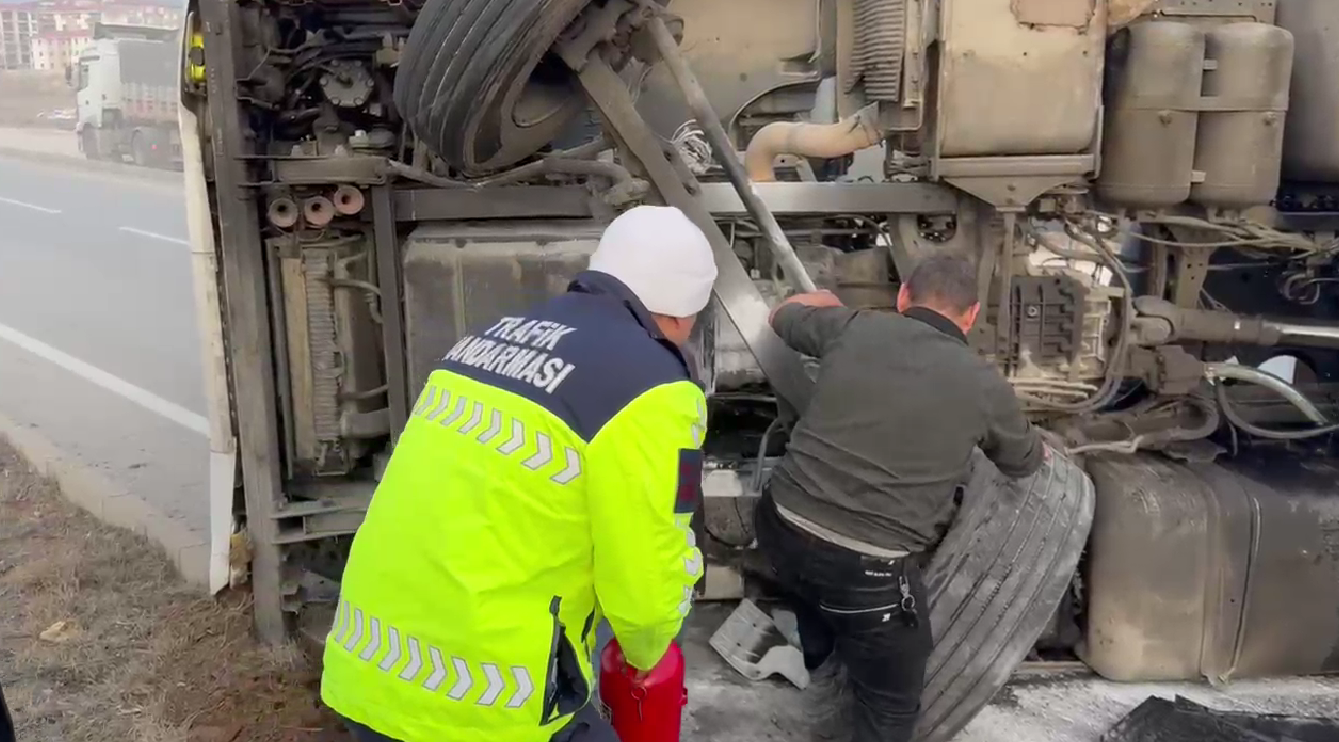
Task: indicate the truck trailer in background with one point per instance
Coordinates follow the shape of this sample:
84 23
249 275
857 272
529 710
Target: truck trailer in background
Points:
127 99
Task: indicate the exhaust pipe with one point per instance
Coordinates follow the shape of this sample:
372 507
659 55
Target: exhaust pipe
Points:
820 141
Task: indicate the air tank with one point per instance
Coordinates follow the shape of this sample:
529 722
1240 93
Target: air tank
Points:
1239 146
1149 141
1310 143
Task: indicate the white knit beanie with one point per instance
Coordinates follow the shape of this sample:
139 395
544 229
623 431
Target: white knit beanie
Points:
661 256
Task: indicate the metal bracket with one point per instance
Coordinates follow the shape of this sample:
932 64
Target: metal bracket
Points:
1011 183
677 186
1191 266
1262 11
387 254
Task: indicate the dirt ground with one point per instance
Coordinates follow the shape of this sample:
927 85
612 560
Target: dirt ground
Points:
24 94
99 640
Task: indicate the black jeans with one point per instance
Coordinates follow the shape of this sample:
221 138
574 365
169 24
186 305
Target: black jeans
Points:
871 612
586 726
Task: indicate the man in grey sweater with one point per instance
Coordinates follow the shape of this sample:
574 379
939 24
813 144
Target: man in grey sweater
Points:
871 480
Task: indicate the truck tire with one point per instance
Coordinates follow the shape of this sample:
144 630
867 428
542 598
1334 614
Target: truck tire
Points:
996 582
476 82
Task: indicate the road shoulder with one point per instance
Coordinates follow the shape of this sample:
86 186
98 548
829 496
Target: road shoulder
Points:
186 548
76 163
100 640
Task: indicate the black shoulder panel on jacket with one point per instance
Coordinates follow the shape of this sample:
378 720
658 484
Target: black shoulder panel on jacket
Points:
583 356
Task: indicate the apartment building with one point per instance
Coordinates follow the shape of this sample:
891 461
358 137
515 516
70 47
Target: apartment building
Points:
48 34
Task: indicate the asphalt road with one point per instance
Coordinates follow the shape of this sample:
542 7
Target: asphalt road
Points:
98 346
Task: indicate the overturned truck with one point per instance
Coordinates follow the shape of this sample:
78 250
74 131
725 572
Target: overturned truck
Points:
1149 190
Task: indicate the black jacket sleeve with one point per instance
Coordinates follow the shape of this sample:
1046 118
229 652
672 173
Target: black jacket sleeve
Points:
1011 441
811 330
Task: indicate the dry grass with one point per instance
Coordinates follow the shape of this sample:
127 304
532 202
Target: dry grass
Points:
140 657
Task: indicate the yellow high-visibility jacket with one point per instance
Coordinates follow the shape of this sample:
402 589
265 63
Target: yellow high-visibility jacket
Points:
547 476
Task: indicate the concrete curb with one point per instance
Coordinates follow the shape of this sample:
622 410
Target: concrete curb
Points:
111 503
163 177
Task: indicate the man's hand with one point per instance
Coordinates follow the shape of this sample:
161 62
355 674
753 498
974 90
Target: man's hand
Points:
822 298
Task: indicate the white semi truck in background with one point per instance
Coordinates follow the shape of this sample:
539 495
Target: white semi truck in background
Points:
127 95
1150 189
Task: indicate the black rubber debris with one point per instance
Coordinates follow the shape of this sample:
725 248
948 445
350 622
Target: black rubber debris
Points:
1182 720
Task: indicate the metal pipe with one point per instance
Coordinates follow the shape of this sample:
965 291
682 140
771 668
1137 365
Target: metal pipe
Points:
820 141
1268 380
348 200
1306 334
318 211
726 154
283 212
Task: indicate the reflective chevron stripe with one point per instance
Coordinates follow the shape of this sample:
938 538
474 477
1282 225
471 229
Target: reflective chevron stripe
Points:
370 651
494 426
438 675
392 656
507 435
476 417
425 400
356 635
415 663
686 605
571 469
543 456
517 439
692 563
463 681
443 402
494 687
384 647
456 412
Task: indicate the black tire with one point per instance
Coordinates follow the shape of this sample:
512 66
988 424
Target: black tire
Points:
470 65
995 584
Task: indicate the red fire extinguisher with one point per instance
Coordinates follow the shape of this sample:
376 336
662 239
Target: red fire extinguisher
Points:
645 710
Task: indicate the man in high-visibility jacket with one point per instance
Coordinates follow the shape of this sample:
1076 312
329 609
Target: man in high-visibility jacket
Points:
546 479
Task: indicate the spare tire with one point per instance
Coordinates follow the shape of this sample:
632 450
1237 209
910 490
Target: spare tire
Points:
996 582
477 84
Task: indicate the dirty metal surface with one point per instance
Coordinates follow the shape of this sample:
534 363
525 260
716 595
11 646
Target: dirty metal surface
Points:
1158 719
1036 706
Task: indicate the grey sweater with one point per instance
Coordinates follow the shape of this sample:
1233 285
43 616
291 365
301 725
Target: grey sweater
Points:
900 403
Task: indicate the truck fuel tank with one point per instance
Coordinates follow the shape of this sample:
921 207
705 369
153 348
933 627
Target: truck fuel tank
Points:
1223 570
1239 145
1310 147
1195 115
1154 80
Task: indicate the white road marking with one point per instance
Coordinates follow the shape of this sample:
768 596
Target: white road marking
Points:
26 205
154 235
114 384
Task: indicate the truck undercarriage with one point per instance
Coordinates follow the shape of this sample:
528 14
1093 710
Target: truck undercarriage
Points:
1146 188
